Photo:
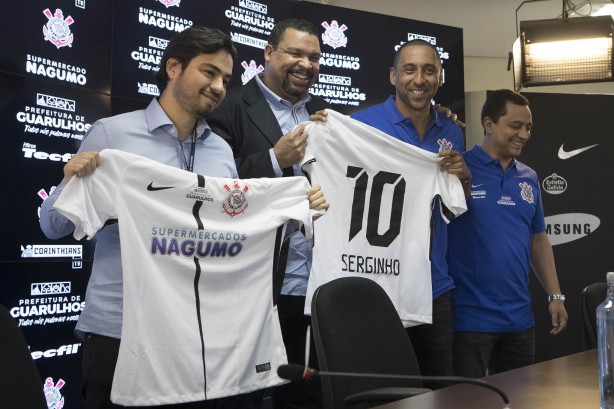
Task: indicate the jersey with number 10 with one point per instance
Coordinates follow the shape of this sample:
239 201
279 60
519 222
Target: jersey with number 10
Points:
197 256
381 193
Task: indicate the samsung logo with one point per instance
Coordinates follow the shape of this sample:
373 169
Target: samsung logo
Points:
563 228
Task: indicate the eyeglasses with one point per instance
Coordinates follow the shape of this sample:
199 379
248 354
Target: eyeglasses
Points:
314 58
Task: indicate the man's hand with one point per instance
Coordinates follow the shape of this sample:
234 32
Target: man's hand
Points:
81 164
290 148
317 201
449 114
321 115
558 315
453 163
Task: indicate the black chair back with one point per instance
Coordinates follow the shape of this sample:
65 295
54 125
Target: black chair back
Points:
357 329
592 295
20 383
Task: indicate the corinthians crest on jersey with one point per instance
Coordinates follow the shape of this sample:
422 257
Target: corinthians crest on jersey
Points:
236 201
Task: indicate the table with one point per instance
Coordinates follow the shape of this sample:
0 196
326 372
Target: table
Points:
569 382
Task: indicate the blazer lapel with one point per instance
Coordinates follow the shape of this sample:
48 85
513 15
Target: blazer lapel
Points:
260 113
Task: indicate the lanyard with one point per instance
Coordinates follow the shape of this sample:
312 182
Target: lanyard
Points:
189 165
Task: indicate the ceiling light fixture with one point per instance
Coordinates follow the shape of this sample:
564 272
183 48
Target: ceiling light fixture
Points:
563 51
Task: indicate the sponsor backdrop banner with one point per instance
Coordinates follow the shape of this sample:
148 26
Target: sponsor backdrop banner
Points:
71 62
569 147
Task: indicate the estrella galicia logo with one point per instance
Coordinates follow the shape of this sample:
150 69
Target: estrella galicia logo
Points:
563 228
56 30
554 184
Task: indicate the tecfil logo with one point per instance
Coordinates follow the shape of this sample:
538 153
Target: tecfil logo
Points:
30 152
54 352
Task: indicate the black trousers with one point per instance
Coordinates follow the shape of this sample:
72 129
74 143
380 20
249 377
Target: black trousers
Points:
99 360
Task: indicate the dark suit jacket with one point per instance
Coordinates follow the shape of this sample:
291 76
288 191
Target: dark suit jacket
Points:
245 120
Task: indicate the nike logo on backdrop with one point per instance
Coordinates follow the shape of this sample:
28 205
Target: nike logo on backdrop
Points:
566 155
151 187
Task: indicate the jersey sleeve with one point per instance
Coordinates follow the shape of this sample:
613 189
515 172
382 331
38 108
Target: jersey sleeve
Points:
453 202
288 200
88 202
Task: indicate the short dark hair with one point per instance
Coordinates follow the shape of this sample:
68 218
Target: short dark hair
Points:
189 43
411 43
299 24
495 105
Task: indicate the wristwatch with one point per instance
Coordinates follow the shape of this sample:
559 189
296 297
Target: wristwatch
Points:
560 297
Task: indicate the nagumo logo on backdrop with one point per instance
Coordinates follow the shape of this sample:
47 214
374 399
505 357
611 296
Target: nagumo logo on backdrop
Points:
163 20
53 122
554 184
563 228
45 67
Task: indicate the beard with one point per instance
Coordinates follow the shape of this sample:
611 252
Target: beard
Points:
297 92
190 101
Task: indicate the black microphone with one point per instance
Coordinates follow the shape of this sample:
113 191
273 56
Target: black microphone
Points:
300 373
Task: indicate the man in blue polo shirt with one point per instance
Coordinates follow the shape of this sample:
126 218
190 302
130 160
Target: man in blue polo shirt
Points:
495 243
409 116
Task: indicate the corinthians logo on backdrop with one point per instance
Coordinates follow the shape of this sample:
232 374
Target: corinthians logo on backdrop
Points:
170 3
251 70
554 184
57 30
334 34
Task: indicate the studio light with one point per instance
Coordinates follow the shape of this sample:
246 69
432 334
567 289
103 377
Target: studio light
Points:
563 51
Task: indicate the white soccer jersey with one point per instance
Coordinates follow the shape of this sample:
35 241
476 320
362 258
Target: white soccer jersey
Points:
197 252
381 193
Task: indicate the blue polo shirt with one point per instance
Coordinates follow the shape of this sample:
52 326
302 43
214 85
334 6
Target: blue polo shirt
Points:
441 134
490 246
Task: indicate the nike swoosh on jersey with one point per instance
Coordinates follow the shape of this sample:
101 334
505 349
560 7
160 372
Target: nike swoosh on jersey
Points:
151 187
478 185
566 155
